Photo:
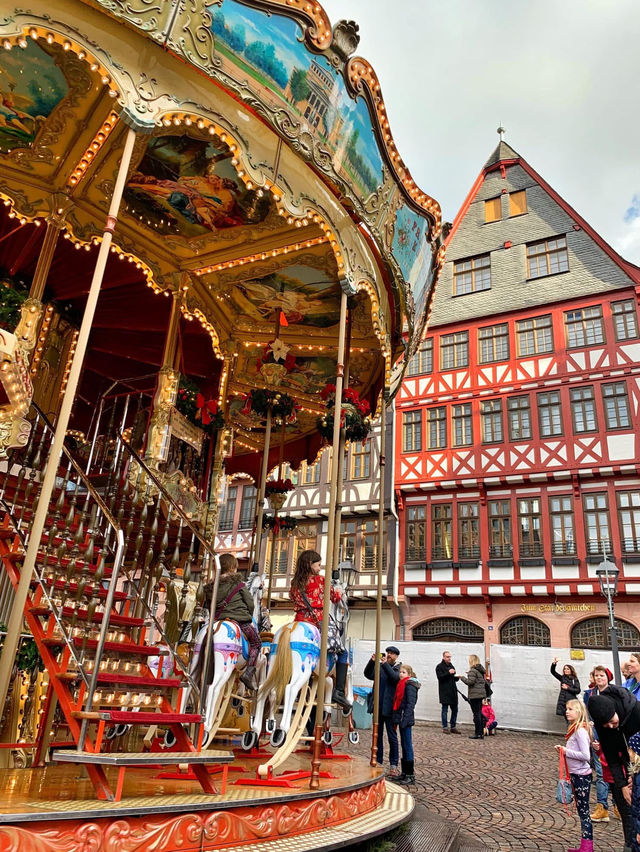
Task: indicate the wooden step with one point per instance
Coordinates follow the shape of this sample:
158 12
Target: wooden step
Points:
142 758
117 647
50 560
115 620
72 588
131 717
134 681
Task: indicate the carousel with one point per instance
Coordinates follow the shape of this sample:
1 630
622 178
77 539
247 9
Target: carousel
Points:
213 262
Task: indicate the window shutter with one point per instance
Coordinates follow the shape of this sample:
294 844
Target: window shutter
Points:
517 203
493 210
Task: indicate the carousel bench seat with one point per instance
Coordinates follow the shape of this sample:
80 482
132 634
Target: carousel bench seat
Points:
125 760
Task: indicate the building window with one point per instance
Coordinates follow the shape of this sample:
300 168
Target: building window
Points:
361 460
583 409
625 319
616 405
529 520
281 556
471 276
519 418
468 531
436 428
493 343
594 633
493 209
518 203
454 350
359 544
448 630
547 257
500 528
549 414
462 425
534 336
412 431
491 418
310 473
596 522
563 538
422 362
248 507
525 630
585 327
416 534
441 531
306 538
228 509
629 519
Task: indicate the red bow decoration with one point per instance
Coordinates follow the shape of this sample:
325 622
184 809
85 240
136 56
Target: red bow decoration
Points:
205 409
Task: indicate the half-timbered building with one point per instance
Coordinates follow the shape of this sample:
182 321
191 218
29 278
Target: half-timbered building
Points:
517 427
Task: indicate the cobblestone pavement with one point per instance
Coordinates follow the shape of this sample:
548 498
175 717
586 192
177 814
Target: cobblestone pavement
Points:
500 790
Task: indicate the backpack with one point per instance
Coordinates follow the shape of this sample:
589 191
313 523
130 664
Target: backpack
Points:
488 689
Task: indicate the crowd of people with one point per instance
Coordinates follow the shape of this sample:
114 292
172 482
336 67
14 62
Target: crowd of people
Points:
603 736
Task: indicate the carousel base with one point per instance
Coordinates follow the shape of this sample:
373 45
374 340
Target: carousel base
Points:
54 809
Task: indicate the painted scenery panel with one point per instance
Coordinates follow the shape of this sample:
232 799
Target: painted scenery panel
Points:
412 250
268 55
306 296
31 86
188 186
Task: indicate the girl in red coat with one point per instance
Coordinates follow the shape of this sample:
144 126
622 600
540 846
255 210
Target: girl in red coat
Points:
307 596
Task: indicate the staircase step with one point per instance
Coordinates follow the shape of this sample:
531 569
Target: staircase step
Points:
130 717
118 647
136 681
49 559
115 620
72 588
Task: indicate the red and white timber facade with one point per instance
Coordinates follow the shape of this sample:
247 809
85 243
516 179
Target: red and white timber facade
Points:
517 440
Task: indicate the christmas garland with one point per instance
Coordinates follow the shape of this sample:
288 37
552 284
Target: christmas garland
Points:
259 400
192 405
354 417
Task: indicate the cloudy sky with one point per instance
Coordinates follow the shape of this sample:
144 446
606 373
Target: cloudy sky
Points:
563 77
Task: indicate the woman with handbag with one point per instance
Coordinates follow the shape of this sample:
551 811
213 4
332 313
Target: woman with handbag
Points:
577 752
307 596
475 680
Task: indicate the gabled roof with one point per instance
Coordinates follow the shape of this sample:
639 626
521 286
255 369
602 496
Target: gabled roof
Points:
505 155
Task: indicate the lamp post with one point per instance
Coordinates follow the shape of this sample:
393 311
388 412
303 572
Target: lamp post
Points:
348 574
608 574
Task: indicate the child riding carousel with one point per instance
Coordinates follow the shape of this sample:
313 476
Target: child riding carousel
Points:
234 603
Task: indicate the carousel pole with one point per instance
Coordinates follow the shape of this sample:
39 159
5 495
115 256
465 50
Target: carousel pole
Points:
376 675
338 521
314 783
48 481
275 516
263 485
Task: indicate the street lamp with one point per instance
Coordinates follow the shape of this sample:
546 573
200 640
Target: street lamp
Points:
348 574
608 573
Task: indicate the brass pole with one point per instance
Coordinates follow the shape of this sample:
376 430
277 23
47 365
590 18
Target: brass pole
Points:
48 481
338 521
274 537
263 484
314 783
44 261
376 675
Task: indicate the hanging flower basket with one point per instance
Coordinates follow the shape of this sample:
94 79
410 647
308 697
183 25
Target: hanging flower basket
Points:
276 491
198 410
355 415
275 362
283 406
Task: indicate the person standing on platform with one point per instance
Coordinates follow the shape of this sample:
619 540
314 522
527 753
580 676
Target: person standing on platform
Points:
447 692
389 677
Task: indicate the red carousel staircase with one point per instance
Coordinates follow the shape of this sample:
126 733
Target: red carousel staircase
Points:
90 627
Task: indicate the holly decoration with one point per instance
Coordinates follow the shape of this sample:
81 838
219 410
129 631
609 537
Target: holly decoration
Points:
283 406
355 414
280 524
11 299
198 410
278 486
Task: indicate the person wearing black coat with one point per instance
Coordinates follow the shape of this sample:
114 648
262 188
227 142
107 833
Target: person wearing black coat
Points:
569 687
389 677
404 706
447 692
616 716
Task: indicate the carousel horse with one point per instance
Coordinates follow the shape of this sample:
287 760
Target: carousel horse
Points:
230 650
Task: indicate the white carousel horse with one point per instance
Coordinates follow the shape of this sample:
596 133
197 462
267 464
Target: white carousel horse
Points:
229 651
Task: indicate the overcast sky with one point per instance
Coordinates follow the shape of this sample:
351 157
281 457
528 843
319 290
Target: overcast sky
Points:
563 77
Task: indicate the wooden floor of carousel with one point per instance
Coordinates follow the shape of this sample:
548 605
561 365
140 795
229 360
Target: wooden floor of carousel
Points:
55 809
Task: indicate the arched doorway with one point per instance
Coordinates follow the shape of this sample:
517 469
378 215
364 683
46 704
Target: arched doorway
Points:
448 629
525 630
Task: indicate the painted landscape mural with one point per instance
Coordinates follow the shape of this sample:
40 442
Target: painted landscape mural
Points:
31 86
275 57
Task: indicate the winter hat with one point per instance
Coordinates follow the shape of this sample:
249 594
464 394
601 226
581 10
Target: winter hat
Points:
393 650
601 709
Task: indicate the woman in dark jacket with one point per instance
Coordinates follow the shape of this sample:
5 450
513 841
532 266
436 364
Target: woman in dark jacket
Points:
475 680
404 704
569 686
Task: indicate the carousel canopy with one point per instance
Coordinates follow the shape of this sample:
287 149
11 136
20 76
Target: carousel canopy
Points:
265 183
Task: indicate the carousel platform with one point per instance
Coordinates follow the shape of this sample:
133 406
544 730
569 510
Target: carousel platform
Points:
55 809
